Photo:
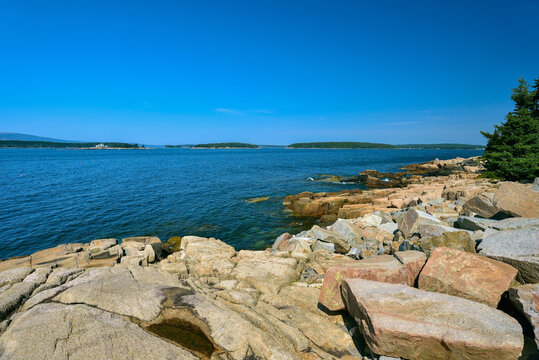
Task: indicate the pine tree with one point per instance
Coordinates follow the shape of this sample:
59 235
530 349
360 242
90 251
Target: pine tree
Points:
512 151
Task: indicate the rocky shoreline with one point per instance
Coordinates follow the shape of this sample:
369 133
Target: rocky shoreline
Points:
442 265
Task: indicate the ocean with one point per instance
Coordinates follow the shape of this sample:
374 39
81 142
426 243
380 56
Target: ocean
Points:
53 196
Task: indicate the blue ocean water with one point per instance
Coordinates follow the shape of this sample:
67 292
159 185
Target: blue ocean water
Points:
50 196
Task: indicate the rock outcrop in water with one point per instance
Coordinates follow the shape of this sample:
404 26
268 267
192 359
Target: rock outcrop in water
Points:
408 283
448 180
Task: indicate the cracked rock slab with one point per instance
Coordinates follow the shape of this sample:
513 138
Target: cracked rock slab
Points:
61 332
13 297
13 276
115 290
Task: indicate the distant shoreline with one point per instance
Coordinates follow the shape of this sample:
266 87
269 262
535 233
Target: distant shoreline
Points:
389 148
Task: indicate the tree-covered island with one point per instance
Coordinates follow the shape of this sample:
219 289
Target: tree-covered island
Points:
367 145
228 145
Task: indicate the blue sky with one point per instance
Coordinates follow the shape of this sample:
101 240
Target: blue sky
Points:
267 72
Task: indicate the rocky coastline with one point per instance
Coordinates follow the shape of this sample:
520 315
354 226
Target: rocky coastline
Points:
439 264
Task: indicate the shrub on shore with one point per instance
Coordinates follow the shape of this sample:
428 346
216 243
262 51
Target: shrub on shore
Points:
512 151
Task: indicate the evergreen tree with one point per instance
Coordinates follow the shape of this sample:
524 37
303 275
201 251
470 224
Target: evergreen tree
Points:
512 151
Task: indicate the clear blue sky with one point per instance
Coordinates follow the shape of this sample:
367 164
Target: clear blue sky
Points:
267 72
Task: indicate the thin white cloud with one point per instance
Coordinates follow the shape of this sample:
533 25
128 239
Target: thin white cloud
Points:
236 112
229 111
401 123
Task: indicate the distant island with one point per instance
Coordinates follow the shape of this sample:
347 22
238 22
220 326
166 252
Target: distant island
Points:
366 145
229 145
65 145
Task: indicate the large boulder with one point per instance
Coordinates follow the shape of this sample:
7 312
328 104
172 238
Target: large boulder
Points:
526 300
459 240
265 272
140 242
208 257
281 243
383 268
519 248
341 244
100 245
470 276
482 206
401 321
473 223
434 230
64 255
517 200
347 230
413 262
516 223
413 218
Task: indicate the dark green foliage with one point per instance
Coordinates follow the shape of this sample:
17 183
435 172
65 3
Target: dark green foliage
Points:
512 151
340 145
366 145
225 145
49 144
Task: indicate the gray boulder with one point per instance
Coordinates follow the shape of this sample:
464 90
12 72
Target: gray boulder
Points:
473 223
519 248
517 200
458 240
389 227
516 223
535 185
482 206
409 223
348 231
322 245
526 300
428 230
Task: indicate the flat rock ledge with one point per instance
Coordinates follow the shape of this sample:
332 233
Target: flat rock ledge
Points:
444 269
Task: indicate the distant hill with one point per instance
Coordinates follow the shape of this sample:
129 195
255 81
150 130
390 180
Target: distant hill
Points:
229 145
26 137
64 145
365 145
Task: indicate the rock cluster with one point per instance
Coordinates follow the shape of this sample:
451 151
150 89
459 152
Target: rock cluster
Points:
411 190
425 280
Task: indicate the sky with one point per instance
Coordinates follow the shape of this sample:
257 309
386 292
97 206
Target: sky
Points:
265 72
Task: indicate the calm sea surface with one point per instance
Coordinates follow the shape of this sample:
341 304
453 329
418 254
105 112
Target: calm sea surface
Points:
49 197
